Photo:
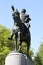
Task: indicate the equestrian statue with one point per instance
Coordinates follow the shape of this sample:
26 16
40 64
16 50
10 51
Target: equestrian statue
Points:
21 27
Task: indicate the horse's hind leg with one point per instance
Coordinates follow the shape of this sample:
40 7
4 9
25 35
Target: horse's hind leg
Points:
28 43
28 47
20 45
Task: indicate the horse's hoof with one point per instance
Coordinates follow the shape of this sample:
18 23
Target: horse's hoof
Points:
19 48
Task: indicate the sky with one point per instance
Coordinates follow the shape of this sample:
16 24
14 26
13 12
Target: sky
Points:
34 9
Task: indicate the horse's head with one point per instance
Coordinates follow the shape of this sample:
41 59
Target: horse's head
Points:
15 14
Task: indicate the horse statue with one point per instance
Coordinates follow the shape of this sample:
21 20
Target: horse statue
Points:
20 20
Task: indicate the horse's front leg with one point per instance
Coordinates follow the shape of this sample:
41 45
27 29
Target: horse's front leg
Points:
20 45
16 37
28 46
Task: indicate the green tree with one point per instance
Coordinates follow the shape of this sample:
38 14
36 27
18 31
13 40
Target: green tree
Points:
5 45
39 57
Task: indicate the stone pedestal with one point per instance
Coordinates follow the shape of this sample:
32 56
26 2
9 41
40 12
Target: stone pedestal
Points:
16 58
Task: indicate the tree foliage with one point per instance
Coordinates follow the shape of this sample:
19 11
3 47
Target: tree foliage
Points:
5 45
39 57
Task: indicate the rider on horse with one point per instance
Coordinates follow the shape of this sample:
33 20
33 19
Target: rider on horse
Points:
21 20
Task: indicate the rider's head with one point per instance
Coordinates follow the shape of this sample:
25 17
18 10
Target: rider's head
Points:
23 10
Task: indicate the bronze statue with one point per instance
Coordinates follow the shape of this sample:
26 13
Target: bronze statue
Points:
21 20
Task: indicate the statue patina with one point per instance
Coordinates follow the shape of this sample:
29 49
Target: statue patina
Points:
21 21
